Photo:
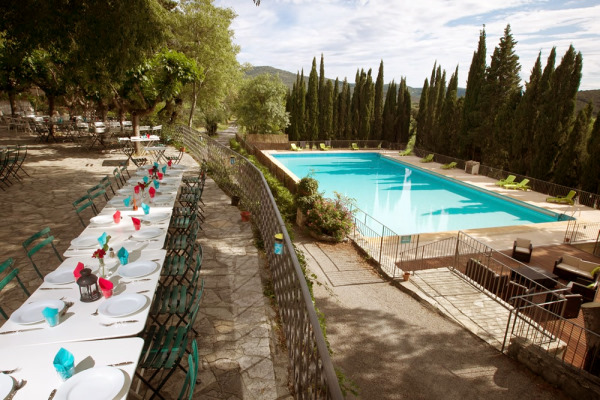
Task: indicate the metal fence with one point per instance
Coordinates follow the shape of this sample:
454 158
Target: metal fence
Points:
549 318
312 372
588 199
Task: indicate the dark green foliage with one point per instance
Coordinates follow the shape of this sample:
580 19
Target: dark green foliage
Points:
403 113
591 181
389 114
471 119
449 121
376 129
312 104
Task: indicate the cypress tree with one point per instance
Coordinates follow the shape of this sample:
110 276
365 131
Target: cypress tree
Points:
403 113
569 164
471 111
526 115
422 116
376 130
335 132
591 181
500 97
290 107
312 103
449 122
389 114
327 110
345 110
366 99
355 106
323 131
301 108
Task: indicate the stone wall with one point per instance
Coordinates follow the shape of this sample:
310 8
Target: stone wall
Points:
267 139
577 384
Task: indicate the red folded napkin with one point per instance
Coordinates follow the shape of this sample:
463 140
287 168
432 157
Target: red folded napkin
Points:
136 223
160 176
105 284
152 192
169 163
77 270
150 171
136 189
117 217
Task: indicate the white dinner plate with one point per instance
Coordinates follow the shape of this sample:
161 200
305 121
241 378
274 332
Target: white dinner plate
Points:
165 198
122 305
137 269
99 383
102 220
156 217
32 312
147 233
117 201
85 242
6 385
127 190
60 277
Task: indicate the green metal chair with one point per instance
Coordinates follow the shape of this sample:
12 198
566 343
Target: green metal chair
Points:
176 300
119 178
164 348
107 184
36 242
95 192
176 266
81 204
187 388
11 273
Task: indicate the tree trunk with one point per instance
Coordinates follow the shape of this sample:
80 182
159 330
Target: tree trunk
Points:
135 123
50 113
193 105
11 100
591 318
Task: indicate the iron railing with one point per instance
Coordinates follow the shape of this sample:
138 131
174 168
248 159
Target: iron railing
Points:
544 316
312 372
584 198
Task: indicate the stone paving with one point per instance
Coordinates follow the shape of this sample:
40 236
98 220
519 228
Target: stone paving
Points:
240 355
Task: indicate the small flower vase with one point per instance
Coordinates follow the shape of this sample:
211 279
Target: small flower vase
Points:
101 270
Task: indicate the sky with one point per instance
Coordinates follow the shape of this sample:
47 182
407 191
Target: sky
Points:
411 35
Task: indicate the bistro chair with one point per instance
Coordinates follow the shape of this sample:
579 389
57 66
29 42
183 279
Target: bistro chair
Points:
10 273
36 242
182 219
83 203
180 244
97 191
119 178
176 266
164 348
187 388
176 300
123 170
177 158
106 184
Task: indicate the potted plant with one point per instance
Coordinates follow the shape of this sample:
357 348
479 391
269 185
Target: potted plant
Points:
406 275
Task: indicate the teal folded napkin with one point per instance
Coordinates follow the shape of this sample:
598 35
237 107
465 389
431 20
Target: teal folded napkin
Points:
127 201
123 255
156 164
51 315
156 183
102 239
145 179
146 208
164 169
64 363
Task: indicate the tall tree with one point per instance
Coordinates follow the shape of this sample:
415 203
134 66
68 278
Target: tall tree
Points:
312 103
376 130
403 113
203 32
471 118
421 140
366 97
335 131
449 122
260 106
591 181
389 113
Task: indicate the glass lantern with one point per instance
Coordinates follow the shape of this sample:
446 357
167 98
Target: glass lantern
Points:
88 286
232 160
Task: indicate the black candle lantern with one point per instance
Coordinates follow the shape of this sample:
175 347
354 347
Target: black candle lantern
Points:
88 286
232 160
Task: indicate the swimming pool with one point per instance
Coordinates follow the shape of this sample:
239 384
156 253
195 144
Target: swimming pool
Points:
407 199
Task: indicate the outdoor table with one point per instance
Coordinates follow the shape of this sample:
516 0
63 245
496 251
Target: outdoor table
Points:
34 364
533 274
79 322
156 151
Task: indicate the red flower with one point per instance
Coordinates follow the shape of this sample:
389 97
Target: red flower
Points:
100 253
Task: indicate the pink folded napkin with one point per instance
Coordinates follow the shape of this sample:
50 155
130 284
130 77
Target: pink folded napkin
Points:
136 223
105 284
117 217
77 270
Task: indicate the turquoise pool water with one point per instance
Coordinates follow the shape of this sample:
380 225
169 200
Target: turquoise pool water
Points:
407 199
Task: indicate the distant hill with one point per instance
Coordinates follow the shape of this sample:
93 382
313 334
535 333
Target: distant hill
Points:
289 78
585 96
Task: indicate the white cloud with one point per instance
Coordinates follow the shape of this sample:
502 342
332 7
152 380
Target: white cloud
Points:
408 36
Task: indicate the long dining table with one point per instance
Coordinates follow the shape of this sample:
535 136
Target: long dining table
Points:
97 329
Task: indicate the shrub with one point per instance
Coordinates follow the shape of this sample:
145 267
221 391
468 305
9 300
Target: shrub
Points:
308 193
330 217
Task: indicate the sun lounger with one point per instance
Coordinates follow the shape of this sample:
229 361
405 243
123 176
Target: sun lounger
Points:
509 180
294 147
428 158
518 186
449 165
568 199
323 147
354 146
